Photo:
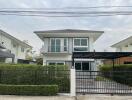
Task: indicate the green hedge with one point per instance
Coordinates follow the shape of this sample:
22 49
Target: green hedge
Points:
44 90
121 73
19 74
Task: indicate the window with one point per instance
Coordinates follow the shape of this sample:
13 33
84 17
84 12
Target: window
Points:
58 45
81 44
55 45
52 63
65 44
56 63
22 49
78 66
82 65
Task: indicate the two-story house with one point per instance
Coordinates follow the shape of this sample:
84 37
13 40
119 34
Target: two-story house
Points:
14 46
59 45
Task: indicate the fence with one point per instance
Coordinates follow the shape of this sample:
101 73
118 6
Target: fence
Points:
37 77
109 82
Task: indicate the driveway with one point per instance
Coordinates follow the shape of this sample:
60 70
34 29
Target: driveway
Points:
92 86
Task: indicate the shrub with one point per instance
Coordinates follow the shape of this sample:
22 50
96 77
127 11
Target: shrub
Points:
99 78
19 74
120 73
44 90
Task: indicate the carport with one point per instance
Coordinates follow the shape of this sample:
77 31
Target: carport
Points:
4 54
85 84
99 55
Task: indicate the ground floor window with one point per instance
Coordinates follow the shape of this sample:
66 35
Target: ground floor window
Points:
56 63
82 65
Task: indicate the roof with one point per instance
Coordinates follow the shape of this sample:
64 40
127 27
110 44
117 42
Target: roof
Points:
4 54
68 30
15 39
68 33
123 42
101 55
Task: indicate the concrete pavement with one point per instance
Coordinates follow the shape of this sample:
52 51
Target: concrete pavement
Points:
83 97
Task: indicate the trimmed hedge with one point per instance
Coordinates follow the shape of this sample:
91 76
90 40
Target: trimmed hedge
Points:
121 73
21 74
44 90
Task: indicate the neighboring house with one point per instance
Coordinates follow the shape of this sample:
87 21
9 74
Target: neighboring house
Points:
59 45
123 46
14 46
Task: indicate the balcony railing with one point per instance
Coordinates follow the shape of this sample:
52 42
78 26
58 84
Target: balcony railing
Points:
57 49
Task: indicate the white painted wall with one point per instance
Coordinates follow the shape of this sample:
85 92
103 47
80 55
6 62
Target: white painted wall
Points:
58 56
7 41
124 48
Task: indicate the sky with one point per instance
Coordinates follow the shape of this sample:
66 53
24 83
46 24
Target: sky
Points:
116 28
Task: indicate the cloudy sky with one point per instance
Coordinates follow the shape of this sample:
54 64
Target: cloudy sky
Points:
116 28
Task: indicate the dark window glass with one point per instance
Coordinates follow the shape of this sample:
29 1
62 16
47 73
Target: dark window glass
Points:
77 42
51 63
84 42
78 66
80 49
60 63
85 66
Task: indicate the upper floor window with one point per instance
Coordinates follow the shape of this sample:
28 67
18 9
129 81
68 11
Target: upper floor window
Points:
58 45
22 49
81 44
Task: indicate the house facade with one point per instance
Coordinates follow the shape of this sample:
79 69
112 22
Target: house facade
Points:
14 46
122 46
59 45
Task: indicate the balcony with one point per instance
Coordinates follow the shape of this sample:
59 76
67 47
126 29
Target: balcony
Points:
55 49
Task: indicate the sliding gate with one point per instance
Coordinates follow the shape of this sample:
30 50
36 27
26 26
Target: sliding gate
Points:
97 82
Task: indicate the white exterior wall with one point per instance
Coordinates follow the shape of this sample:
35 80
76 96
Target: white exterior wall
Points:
7 41
21 55
124 49
61 56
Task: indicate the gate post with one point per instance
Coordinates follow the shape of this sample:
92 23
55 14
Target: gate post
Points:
73 82
73 79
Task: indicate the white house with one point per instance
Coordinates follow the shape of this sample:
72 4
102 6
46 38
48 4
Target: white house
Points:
59 45
124 45
13 45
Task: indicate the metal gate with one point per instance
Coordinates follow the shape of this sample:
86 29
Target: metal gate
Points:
97 82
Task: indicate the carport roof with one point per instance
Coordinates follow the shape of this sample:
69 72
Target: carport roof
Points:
101 55
4 54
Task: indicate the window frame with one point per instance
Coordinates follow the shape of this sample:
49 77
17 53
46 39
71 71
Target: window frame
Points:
62 46
80 46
